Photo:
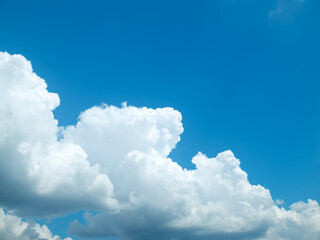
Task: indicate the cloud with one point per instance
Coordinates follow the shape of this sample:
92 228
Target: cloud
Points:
132 144
40 175
301 221
276 11
13 227
286 9
213 201
115 161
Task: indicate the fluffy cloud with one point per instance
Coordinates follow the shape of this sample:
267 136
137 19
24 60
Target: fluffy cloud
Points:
115 161
164 201
214 201
13 227
132 144
40 175
302 221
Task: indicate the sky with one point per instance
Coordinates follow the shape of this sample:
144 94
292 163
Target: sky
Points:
141 88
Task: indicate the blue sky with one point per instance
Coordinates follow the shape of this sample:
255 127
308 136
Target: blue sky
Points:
244 75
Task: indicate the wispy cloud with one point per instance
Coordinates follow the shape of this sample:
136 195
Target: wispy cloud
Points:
287 8
277 10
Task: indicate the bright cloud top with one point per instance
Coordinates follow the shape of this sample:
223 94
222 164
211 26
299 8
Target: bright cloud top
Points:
115 161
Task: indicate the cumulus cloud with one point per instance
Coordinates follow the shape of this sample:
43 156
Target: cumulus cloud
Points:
301 221
13 227
115 161
40 175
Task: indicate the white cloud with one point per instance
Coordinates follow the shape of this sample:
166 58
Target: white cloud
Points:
38 174
115 160
13 227
215 200
302 221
